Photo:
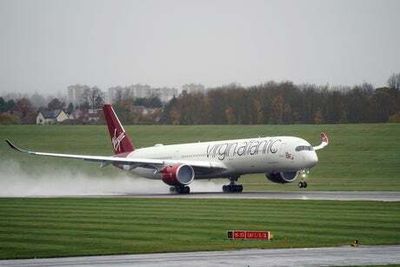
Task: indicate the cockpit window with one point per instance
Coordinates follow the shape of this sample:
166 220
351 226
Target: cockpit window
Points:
302 148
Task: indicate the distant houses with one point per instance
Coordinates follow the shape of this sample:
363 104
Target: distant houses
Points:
86 116
138 114
51 117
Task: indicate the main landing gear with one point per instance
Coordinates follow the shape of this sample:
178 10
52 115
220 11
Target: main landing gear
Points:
232 187
180 189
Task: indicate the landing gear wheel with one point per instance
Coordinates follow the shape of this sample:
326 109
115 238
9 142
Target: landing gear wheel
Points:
186 190
225 189
232 188
302 184
239 188
182 189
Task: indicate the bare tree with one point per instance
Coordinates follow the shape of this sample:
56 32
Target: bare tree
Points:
55 103
25 111
94 97
394 81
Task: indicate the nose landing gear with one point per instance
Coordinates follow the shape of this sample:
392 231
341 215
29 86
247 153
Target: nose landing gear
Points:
302 184
304 174
232 187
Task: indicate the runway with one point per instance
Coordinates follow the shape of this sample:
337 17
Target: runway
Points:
304 195
385 196
337 256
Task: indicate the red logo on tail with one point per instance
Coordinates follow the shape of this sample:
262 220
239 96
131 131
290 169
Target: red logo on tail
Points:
120 140
116 140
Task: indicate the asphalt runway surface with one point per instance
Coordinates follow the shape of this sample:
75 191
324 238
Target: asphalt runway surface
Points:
303 195
337 256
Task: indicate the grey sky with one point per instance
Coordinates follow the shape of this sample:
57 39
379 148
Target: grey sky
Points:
48 45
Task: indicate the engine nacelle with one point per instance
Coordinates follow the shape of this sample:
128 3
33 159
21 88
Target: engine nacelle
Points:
282 177
179 174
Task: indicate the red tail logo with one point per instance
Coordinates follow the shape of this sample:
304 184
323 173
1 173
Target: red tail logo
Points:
116 140
119 139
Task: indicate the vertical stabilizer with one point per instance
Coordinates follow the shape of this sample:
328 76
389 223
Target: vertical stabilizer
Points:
119 138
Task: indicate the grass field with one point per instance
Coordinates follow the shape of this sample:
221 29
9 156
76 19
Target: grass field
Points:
94 226
359 157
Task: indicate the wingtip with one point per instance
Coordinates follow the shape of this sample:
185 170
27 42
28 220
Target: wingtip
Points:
324 141
10 144
14 146
324 138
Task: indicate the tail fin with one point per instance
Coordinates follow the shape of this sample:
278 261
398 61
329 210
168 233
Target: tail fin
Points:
119 138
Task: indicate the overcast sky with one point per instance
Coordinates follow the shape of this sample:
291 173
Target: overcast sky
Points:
46 45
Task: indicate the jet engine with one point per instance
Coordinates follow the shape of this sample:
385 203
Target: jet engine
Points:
282 177
177 175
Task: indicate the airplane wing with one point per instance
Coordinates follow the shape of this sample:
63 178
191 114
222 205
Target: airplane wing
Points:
324 142
157 164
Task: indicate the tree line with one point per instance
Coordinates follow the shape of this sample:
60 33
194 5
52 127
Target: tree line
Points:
285 103
267 103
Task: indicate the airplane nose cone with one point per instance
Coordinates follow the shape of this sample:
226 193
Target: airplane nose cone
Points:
313 159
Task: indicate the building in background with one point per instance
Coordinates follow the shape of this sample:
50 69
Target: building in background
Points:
193 88
75 94
51 117
140 91
165 94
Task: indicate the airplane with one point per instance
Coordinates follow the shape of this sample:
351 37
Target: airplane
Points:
281 158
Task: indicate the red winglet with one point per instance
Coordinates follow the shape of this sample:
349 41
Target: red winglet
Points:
324 138
119 138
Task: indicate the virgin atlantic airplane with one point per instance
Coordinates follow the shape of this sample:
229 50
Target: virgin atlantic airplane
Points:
281 158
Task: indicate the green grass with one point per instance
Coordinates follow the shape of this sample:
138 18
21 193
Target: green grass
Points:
359 157
66 227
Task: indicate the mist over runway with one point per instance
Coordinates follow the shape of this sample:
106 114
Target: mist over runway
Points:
63 182
51 181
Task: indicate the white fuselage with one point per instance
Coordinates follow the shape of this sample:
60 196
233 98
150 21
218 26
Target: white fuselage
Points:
241 156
